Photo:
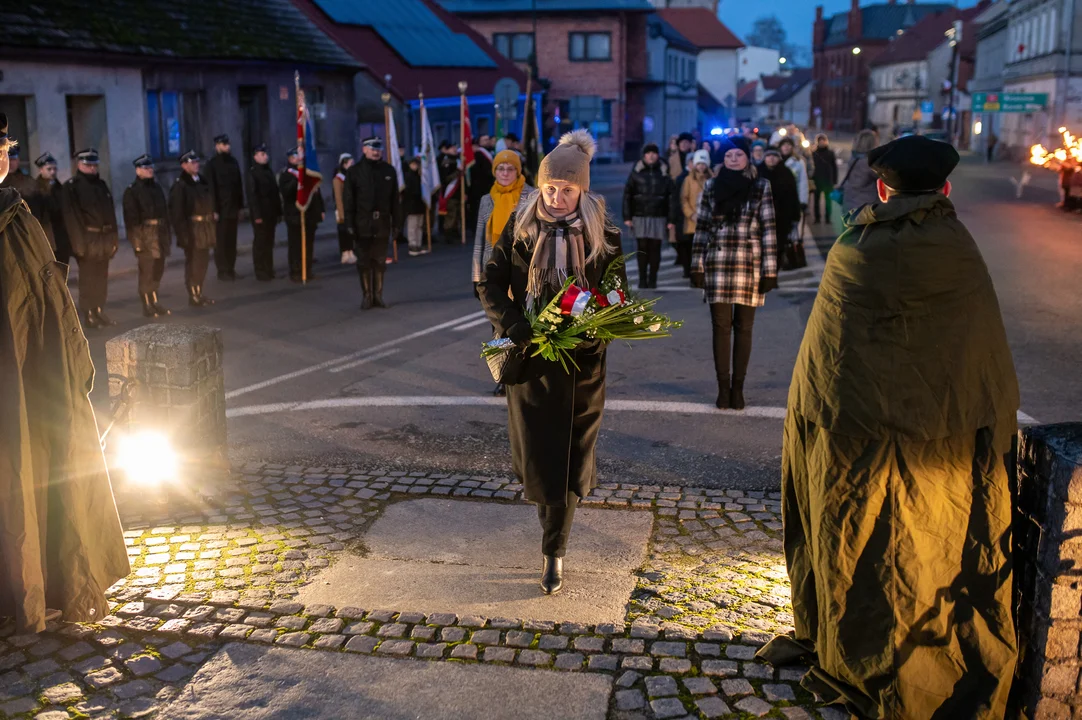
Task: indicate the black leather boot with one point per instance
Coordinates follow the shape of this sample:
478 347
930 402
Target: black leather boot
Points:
103 319
552 575
148 306
377 289
90 320
723 401
366 289
157 307
736 395
203 299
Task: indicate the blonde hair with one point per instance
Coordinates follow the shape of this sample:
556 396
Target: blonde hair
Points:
595 223
864 142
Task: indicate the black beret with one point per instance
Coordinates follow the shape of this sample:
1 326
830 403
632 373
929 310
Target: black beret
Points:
190 156
685 136
649 148
373 142
143 160
45 159
261 147
88 156
222 139
913 164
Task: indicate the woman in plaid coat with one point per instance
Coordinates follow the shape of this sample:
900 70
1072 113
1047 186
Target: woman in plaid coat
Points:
734 260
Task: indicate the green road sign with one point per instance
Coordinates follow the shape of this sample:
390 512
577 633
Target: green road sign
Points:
1009 102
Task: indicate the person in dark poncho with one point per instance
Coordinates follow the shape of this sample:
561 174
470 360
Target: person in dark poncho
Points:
786 200
895 461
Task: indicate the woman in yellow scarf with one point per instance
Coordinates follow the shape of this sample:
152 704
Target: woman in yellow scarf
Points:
507 192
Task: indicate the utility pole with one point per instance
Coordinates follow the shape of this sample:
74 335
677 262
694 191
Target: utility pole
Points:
955 34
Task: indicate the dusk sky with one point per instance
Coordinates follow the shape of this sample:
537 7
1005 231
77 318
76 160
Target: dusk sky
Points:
797 16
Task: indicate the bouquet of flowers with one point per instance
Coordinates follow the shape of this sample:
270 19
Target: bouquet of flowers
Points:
576 315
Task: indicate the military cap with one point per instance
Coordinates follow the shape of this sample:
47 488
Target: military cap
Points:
45 159
261 147
291 152
343 157
88 156
143 160
373 142
222 139
13 150
190 156
913 164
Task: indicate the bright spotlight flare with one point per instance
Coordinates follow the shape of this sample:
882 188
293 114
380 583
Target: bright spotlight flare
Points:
1052 159
147 458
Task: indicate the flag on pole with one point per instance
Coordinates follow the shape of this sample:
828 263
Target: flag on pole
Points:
446 195
308 175
530 137
467 158
430 171
392 149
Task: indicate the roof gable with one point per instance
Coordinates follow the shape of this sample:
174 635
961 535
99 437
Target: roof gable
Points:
492 7
792 85
916 43
412 29
702 28
881 22
209 30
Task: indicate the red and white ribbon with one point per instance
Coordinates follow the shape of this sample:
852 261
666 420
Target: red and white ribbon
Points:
615 297
574 301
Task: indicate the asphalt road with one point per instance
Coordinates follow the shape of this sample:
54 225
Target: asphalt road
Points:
313 380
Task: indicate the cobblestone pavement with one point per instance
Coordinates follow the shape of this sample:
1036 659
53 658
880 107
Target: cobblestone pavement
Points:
713 589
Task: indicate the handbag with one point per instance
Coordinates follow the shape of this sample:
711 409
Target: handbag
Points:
508 367
794 252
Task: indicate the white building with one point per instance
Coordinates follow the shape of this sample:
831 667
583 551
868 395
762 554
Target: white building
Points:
718 47
753 62
671 98
991 61
791 103
1038 35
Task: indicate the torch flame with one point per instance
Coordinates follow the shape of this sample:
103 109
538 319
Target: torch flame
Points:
1071 150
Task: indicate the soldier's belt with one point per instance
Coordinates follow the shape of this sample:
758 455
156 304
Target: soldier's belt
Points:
100 229
155 221
200 218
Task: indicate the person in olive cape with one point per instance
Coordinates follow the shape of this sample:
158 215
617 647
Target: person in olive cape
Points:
895 461
146 216
61 544
191 210
554 416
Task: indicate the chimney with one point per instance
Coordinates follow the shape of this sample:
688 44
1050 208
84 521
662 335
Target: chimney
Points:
819 33
856 26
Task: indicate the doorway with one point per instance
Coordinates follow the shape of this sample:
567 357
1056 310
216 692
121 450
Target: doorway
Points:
88 127
14 106
254 119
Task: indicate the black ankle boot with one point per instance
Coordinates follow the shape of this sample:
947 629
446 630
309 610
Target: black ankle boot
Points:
377 289
148 306
158 308
366 290
103 319
552 575
90 320
722 402
736 395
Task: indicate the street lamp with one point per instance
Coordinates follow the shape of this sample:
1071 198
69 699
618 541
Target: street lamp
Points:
781 61
856 51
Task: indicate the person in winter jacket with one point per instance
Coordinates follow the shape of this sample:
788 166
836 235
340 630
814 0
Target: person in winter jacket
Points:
678 156
314 214
227 188
265 211
691 193
61 543
90 220
146 216
858 185
345 240
758 152
507 193
798 167
783 189
414 208
191 209
825 175
735 260
554 416
648 211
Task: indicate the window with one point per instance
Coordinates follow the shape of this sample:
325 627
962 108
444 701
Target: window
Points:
483 126
173 121
440 133
586 111
589 47
317 108
515 46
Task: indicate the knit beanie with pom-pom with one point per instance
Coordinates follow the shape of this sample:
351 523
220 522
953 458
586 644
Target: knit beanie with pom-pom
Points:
570 161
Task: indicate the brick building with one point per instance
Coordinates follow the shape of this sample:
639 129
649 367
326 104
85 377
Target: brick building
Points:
844 45
591 56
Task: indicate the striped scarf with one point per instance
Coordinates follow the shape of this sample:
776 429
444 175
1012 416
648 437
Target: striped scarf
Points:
560 253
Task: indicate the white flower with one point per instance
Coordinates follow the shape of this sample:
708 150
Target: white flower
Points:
638 320
655 327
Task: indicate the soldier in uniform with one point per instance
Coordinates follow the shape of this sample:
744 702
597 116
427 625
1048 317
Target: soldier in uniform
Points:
90 219
45 206
16 178
227 187
287 186
146 217
448 168
265 210
191 210
373 214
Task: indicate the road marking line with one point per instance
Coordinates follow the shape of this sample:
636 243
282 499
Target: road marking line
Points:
352 356
366 359
471 324
655 406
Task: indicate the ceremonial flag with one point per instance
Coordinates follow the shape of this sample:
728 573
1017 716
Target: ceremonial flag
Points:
430 171
467 139
392 148
530 134
308 175
447 194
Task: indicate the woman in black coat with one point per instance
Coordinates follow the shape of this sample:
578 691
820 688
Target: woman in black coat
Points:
648 210
783 187
554 416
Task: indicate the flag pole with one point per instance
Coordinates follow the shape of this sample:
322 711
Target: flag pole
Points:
462 141
386 97
426 150
300 180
